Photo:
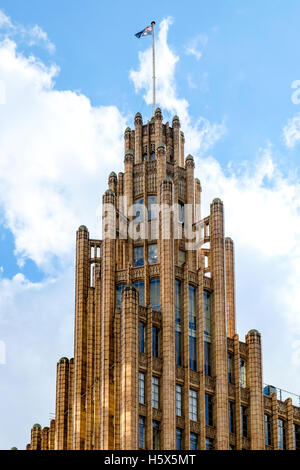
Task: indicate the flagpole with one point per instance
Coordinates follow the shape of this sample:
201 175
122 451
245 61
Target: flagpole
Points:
153 65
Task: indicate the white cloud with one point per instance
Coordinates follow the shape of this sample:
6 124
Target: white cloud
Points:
196 46
31 35
291 132
54 146
200 134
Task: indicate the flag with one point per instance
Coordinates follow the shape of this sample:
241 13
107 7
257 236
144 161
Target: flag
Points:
145 32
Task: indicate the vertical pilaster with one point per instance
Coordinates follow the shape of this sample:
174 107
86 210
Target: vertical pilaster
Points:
289 425
275 421
36 437
200 359
107 314
158 127
97 355
61 413
149 429
178 158
117 376
128 183
190 210
80 343
52 435
138 123
219 324
129 370
168 316
230 287
236 371
185 331
70 405
45 439
253 341
90 369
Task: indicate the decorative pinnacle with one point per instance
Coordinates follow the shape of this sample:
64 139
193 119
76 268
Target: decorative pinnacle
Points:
63 359
190 157
161 145
129 152
83 228
127 130
112 175
217 201
37 425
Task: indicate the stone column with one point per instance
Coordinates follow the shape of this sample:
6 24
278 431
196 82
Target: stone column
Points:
230 287
107 314
182 141
138 123
129 370
168 316
178 158
128 183
219 340
113 182
70 405
52 435
289 425
36 437
45 439
256 411
158 127
80 347
90 369
274 421
61 413
190 210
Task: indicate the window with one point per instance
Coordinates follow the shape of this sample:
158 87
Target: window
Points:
193 441
155 392
243 381
193 405
181 257
152 207
178 301
230 368
268 430
207 357
192 353
192 328
180 212
142 331
231 416
281 434
141 432
138 254
209 443
145 156
244 421
142 388
207 313
178 400
155 341
208 410
178 347
178 439
152 156
119 289
296 436
138 211
152 253
156 435
155 293
140 287
231 447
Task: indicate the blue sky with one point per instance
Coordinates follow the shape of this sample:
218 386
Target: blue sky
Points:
72 76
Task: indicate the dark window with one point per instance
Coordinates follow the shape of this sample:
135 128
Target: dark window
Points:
207 358
193 405
244 421
142 331
142 388
192 353
178 400
243 374
140 286
155 294
281 434
209 443
207 314
231 416
152 253
178 347
155 392
231 447
152 156
178 439
138 210
142 432
180 212
193 441
119 289
208 410
156 435
230 368
155 341
268 430
152 207
178 301
138 253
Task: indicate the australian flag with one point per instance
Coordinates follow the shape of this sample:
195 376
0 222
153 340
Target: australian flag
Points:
145 32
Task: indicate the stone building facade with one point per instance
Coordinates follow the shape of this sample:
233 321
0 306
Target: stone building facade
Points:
158 363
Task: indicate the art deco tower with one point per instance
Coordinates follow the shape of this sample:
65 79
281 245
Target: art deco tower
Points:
157 360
